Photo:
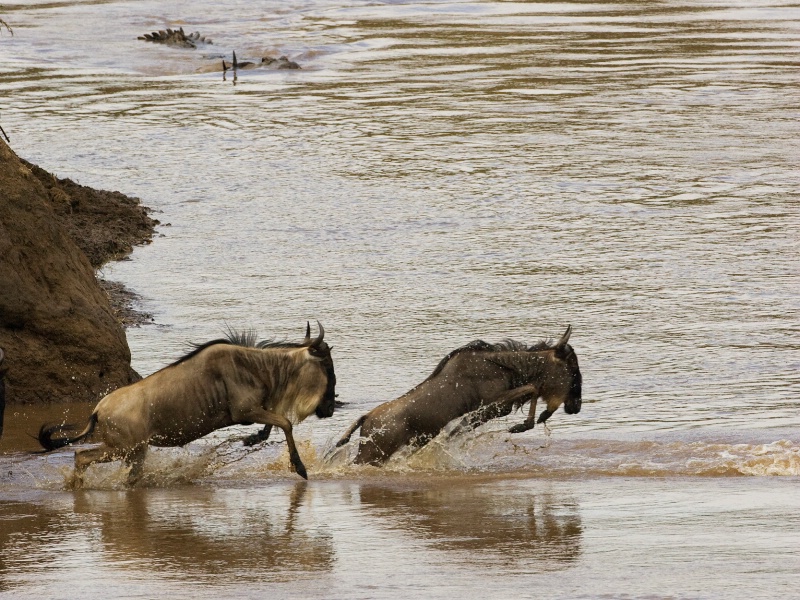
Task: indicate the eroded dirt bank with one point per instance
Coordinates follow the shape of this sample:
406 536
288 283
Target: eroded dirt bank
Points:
63 336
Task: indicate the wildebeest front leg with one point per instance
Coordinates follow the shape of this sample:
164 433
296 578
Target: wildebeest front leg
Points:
529 422
258 436
522 395
499 406
259 415
478 417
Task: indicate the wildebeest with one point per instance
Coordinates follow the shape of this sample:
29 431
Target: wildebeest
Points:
480 380
3 370
220 383
266 61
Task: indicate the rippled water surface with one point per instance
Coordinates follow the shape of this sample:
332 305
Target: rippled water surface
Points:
437 172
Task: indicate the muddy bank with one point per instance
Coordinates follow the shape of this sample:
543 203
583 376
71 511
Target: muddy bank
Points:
105 226
61 328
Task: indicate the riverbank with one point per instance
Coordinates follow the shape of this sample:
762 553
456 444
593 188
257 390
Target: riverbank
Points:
61 326
105 226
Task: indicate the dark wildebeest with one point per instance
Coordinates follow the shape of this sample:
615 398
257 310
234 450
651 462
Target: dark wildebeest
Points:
223 382
2 390
480 380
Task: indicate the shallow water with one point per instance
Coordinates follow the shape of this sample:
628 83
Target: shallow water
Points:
437 172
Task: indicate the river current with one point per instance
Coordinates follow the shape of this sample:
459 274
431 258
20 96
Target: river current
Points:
436 172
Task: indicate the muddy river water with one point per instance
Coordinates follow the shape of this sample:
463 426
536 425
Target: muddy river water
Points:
437 172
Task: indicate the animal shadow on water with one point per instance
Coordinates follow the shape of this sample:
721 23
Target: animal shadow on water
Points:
231 381
531 530
247 539
476 382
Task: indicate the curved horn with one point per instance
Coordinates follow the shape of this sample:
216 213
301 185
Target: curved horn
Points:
307 340
564 338
318 341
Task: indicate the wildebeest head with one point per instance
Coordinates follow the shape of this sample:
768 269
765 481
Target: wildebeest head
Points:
320 350
564 378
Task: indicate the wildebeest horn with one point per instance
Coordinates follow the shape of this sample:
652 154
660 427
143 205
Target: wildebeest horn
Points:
318 341
307 341
564 338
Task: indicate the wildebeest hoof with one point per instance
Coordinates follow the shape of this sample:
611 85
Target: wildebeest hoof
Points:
456 431
252 439
519 428
298 465
75 480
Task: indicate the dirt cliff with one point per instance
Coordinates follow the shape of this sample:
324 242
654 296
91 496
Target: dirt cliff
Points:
61 337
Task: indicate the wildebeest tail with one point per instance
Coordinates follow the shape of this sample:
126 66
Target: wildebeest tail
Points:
351 430
46 433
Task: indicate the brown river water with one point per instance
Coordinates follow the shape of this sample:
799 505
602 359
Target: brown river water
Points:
437 172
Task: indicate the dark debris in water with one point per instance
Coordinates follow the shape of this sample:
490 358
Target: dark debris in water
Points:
232 451
176 38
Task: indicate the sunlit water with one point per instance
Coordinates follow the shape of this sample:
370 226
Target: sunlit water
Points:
437 172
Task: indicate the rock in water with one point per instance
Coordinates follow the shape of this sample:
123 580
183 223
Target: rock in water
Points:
60 337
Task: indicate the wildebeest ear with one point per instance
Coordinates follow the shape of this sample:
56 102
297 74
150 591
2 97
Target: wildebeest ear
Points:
319 352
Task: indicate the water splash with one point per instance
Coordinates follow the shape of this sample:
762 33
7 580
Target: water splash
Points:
493 453
499 452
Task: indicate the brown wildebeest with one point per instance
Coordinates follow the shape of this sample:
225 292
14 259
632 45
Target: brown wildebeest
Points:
480 380
220 383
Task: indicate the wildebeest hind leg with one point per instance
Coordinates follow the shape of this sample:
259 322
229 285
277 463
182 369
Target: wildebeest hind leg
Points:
135 459
89 456
370 452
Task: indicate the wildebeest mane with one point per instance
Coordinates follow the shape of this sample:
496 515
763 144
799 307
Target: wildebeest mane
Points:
247 338
506 345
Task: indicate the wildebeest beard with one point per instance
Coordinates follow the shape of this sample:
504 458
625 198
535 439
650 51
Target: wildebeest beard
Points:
328 403
572 406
